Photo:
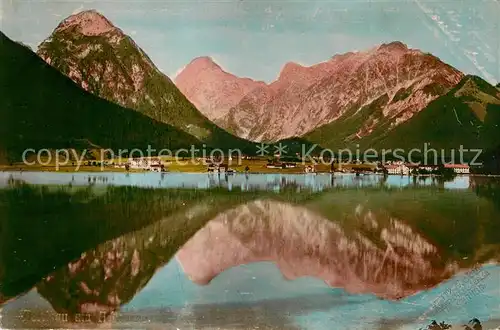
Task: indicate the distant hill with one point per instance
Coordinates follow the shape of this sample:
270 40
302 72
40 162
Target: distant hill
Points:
41 108
100 58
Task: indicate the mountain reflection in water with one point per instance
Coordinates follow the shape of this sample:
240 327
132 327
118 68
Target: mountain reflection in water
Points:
97 251
370 255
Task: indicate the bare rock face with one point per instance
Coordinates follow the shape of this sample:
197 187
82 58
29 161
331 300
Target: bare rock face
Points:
211 89
303 99
387 259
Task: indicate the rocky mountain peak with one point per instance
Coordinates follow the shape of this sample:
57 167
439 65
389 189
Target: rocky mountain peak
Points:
88 22
204 62
394 46
211 89
290 69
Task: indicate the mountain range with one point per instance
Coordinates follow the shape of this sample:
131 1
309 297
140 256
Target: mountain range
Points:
390 96
302 98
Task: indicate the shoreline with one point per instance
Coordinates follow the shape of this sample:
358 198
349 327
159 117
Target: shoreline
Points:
197 169
118 170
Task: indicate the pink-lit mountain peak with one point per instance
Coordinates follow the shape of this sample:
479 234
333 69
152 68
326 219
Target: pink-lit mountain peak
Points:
204 62
212 89
394 46
291 68
88 22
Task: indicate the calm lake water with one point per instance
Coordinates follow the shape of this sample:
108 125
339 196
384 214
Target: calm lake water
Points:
315 182
198 251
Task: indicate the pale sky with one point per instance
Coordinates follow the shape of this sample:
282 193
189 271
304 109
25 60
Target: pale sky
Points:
255 38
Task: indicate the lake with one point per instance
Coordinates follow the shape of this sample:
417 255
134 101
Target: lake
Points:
199 251
316 182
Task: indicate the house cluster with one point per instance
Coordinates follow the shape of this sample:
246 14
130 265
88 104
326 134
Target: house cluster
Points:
145 164
394 169
219 168
400 168
310 169
459 168
283 162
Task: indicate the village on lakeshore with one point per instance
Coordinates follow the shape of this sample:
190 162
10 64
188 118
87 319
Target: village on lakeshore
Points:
251 164
277 164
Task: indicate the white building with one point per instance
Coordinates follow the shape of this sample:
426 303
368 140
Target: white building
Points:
397 169
459 168
147 164
428 168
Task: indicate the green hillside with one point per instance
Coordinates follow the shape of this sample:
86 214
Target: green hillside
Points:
41 108
467 115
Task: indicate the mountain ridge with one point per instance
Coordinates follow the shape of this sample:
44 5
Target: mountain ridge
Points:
304 98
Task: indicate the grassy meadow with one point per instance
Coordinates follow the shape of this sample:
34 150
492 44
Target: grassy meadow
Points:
186 165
